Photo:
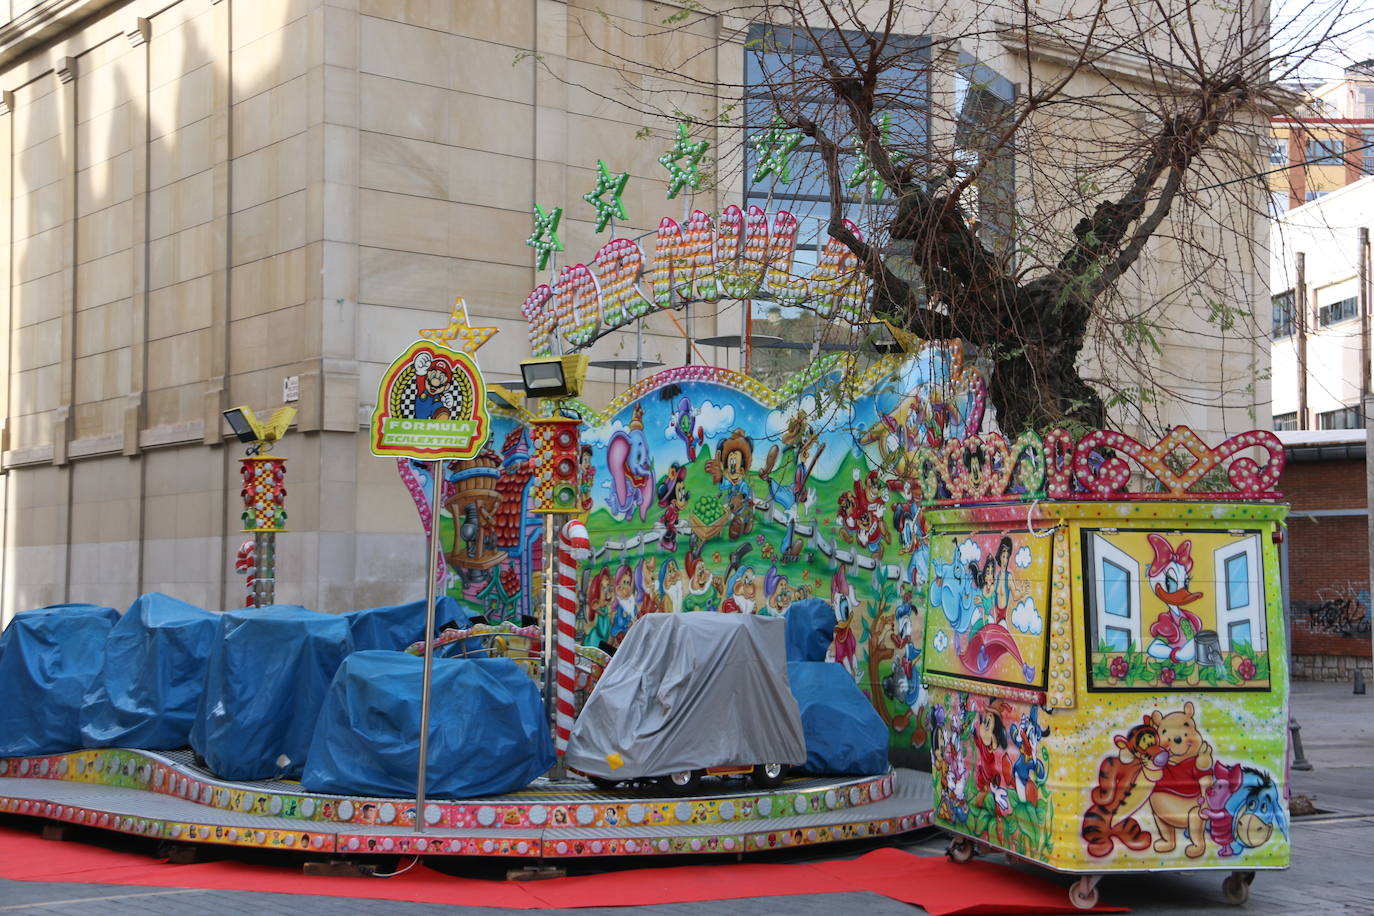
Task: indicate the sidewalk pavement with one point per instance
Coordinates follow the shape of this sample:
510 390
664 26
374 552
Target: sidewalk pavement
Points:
1333 858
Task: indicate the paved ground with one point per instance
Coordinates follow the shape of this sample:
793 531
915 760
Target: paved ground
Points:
1333 868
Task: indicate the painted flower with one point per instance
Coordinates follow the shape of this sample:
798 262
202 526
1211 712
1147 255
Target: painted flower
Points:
941 641
1246 669
715 557
1166 676
1118 667
758 538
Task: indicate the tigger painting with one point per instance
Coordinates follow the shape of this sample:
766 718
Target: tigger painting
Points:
1124 784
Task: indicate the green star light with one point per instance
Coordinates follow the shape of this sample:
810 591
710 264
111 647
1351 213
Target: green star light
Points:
606 210
545 223
863 167
683 148
774 146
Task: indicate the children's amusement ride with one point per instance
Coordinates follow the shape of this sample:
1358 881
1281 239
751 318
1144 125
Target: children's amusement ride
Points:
1083 636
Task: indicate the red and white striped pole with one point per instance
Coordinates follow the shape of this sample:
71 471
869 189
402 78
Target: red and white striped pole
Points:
574 547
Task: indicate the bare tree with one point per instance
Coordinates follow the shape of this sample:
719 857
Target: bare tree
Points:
1108 198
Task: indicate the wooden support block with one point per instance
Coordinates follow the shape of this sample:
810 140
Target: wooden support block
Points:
58 832
339 868
535 873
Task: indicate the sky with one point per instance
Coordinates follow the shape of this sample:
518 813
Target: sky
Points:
1300 22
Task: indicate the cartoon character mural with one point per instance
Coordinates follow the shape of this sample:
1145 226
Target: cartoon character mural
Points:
492 545
1166 768
735 491
990 591
1154 760
1202 597
631 470
998 741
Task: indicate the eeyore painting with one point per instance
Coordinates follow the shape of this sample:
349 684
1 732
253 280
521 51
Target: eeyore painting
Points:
631 470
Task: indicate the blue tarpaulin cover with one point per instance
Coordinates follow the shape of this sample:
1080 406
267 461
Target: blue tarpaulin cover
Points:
147 693
810 630
268 673
48 659
487 732
844 733
396 626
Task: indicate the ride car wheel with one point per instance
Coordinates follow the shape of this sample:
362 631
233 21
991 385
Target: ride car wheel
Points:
683 782
768 775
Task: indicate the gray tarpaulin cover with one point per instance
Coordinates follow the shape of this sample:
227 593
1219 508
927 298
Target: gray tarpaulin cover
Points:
691 691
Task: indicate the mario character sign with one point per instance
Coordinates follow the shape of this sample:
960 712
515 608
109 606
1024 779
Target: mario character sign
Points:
431 405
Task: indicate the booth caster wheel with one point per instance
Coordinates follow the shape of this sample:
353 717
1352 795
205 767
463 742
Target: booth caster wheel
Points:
1236 887
960 849
1083 892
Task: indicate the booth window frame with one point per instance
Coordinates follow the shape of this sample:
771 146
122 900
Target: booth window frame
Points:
1255 611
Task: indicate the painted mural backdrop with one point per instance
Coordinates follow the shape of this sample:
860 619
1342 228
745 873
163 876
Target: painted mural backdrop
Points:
491 544
707 492
988 596
1172 607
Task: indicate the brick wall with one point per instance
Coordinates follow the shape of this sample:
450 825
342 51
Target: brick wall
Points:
1324 484
1328 558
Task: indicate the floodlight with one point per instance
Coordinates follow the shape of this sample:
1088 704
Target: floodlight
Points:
248 428
554 376
243 423
884 337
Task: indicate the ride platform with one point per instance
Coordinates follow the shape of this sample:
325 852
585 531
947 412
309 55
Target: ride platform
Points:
165 795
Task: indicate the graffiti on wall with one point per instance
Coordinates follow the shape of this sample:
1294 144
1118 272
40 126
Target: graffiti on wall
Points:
709 492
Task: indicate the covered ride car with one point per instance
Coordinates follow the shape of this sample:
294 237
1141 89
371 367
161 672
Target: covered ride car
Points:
688 695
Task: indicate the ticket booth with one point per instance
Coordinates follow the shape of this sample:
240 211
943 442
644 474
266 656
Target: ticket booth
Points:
1108 685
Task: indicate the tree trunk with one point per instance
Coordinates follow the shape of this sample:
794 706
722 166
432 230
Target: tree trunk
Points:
1033 389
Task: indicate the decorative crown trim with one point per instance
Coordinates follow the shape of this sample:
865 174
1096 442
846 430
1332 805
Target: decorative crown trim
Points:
1100 465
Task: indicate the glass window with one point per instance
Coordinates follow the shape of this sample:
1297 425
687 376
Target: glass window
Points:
1283 315
1325 150
1278 150
1341 310
1314 195
1283 421
1344 418
1238 581
778 67
1115 595
1365 103
1116 639
1367 154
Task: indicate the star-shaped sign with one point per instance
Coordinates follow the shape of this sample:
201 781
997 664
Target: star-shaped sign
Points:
459 329
774 145
606 210
544 238
864 172
680 177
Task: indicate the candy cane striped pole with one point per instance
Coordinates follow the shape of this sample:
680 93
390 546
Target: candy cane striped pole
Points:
574 547
246 563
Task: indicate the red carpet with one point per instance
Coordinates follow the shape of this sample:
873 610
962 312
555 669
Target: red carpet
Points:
934 883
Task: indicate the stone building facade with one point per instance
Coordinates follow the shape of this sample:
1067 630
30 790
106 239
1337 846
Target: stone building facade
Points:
210 198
